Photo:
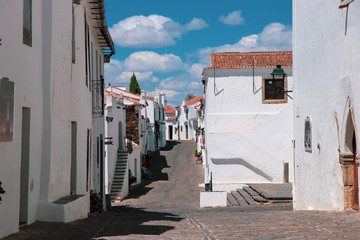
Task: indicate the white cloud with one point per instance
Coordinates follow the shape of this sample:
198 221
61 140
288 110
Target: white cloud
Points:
274 37
233 18
152 31
195 71
169 94
124 77
196 24
150 61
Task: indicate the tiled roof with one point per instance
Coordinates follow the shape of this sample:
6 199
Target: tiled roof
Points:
174 118
248 59
134 101
169 109
193 101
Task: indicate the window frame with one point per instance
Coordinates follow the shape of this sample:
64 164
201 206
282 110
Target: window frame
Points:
27 33
273 101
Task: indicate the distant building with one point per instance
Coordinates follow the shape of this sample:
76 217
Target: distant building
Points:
248 118
171 123
51 140
327 114
187 121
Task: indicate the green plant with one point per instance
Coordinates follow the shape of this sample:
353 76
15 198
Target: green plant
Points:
195 152
134 85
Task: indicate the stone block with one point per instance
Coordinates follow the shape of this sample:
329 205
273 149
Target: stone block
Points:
213 199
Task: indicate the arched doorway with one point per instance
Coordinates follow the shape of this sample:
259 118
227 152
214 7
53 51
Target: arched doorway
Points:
349 166
120 135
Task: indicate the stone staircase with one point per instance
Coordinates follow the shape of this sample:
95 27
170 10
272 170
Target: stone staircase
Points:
119 176
255 194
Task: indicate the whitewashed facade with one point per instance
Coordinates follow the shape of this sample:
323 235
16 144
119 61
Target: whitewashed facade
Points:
326 73
45 150
187 118
171 123
248 139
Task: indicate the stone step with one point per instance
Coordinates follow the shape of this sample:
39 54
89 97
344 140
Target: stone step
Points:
255 195
246 196
239 198
231 200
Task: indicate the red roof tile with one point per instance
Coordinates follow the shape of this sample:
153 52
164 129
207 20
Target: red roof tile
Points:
248 59
174 118
193 101
169 109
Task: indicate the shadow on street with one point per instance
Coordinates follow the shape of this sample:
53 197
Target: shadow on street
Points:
127 220
159 162
170 145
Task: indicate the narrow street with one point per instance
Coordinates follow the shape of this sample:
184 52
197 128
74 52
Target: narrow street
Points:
168 208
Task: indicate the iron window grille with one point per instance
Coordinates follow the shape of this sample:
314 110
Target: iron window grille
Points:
98 96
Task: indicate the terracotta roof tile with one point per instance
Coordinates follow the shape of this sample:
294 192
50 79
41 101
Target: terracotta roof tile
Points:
247 59
174 118
193 101
169 109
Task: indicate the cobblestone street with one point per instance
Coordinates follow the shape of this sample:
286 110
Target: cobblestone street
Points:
168 208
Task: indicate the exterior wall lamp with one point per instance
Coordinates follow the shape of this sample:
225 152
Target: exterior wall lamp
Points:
109 119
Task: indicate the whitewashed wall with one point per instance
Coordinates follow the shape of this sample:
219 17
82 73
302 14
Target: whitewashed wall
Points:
28 93
54 89
246 141
112 129
326 71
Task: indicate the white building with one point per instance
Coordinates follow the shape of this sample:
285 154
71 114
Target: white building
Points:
46 124
248 121
326 73
187 118
171 123
115 132
154 113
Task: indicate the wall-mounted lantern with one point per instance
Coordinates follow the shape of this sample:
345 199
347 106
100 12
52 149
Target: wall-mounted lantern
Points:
109 119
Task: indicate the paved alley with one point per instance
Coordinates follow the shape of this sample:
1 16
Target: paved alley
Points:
168 208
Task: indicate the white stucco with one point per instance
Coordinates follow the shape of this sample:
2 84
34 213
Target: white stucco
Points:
246 140
326 72
53 88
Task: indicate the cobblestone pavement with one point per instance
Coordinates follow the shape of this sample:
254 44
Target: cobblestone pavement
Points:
168 208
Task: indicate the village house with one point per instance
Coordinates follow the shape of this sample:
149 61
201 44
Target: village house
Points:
153 113
326 73
126 139
187 120
171 123
48 109
248 118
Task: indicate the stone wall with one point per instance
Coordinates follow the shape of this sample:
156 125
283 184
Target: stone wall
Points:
132 124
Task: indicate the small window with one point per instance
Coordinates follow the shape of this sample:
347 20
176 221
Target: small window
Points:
27 22
274 90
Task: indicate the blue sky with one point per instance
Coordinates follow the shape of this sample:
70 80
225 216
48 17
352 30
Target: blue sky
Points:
167 43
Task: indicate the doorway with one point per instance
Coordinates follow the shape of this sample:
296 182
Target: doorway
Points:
186 132
25 165
170 132
120 136
73 170
350 167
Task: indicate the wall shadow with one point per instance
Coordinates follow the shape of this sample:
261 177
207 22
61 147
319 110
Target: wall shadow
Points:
170 144
126 220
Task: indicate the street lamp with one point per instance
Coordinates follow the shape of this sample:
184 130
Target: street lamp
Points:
278 75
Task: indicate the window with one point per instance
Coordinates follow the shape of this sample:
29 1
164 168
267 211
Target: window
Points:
274 90
27 22
86 52
73 36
